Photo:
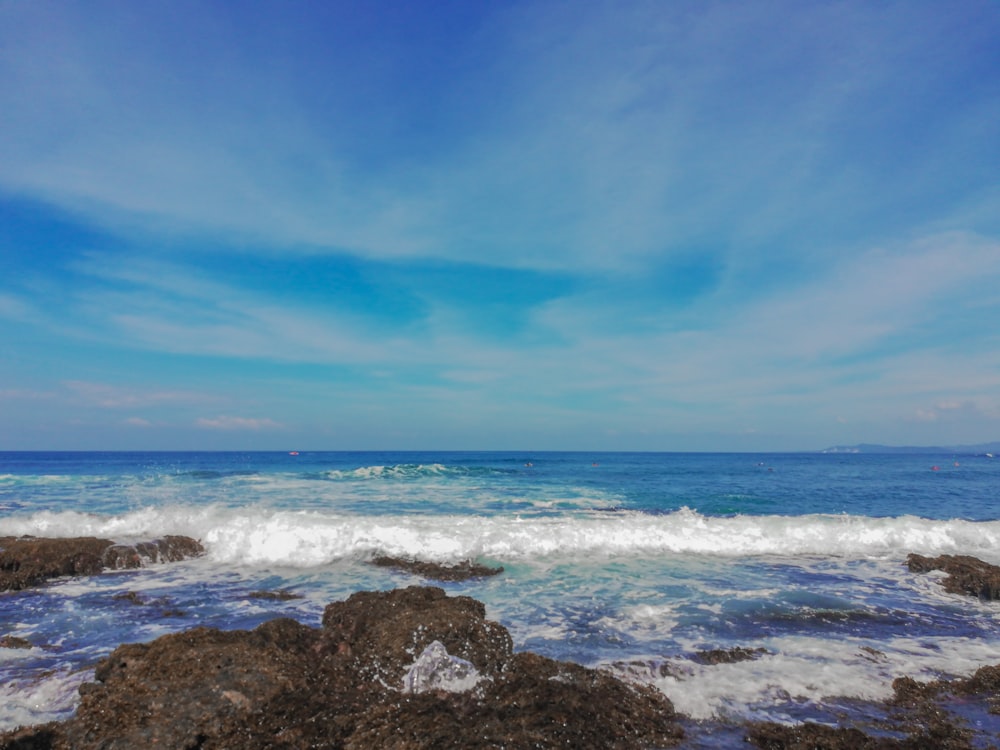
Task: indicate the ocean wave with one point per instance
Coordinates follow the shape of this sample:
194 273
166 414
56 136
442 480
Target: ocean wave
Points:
395 472
46 479
259 536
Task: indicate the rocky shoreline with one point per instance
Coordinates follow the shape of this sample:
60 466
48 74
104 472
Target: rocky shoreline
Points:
29 561
416 668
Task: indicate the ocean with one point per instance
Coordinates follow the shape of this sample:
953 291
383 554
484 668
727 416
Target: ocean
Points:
631 561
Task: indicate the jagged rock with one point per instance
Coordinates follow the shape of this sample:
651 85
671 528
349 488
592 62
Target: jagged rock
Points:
439 571
170 548
30 561
286 685
966 574
384 631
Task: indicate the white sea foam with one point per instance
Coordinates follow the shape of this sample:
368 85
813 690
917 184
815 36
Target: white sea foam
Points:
805 670
436 669
398 471
24 702
309 538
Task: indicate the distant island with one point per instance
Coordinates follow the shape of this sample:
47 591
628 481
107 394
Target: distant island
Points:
977 449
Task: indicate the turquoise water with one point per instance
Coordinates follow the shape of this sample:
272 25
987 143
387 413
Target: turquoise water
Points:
629 561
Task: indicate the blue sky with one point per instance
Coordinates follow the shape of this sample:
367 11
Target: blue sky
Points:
520 225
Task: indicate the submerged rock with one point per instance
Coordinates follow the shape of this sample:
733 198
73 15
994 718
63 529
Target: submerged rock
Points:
966 574
728 655
921 716
13 641
286 685
281 595
26 562
439 571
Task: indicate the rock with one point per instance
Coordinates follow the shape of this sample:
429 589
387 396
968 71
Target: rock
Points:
966 574
986 682
30 561
168 549
12 641
282 595
728 655
286 685
132 597
438 571
809 736
384 631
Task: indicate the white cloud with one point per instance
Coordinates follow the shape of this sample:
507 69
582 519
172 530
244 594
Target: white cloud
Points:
236 423
121 397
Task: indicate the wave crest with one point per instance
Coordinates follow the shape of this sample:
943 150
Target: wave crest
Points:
259 536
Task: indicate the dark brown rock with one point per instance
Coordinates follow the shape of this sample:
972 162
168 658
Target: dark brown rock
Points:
31 561
132 597
282 595
12 641
966 574
438 571
170 548
939 735
728 655
285 685
986 682
383 631
768 736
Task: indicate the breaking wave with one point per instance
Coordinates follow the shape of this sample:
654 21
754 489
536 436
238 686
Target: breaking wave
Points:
262 536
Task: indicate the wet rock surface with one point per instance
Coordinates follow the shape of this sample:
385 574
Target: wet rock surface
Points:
286 685
728 655
438 571
13 641
26 562
281 595
922 716
415 668
966 574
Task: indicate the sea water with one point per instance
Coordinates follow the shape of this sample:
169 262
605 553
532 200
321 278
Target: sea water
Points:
632 562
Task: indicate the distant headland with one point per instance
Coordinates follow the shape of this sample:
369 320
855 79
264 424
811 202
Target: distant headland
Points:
976 449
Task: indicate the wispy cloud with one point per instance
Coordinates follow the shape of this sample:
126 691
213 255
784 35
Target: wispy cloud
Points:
109 396
236 423
621 133
611 218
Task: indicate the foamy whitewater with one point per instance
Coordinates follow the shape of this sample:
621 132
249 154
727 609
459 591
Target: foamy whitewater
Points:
635 562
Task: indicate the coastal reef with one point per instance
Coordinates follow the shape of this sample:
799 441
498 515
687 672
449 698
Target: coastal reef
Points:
461 571
415 669
409 668
966 575
28 561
